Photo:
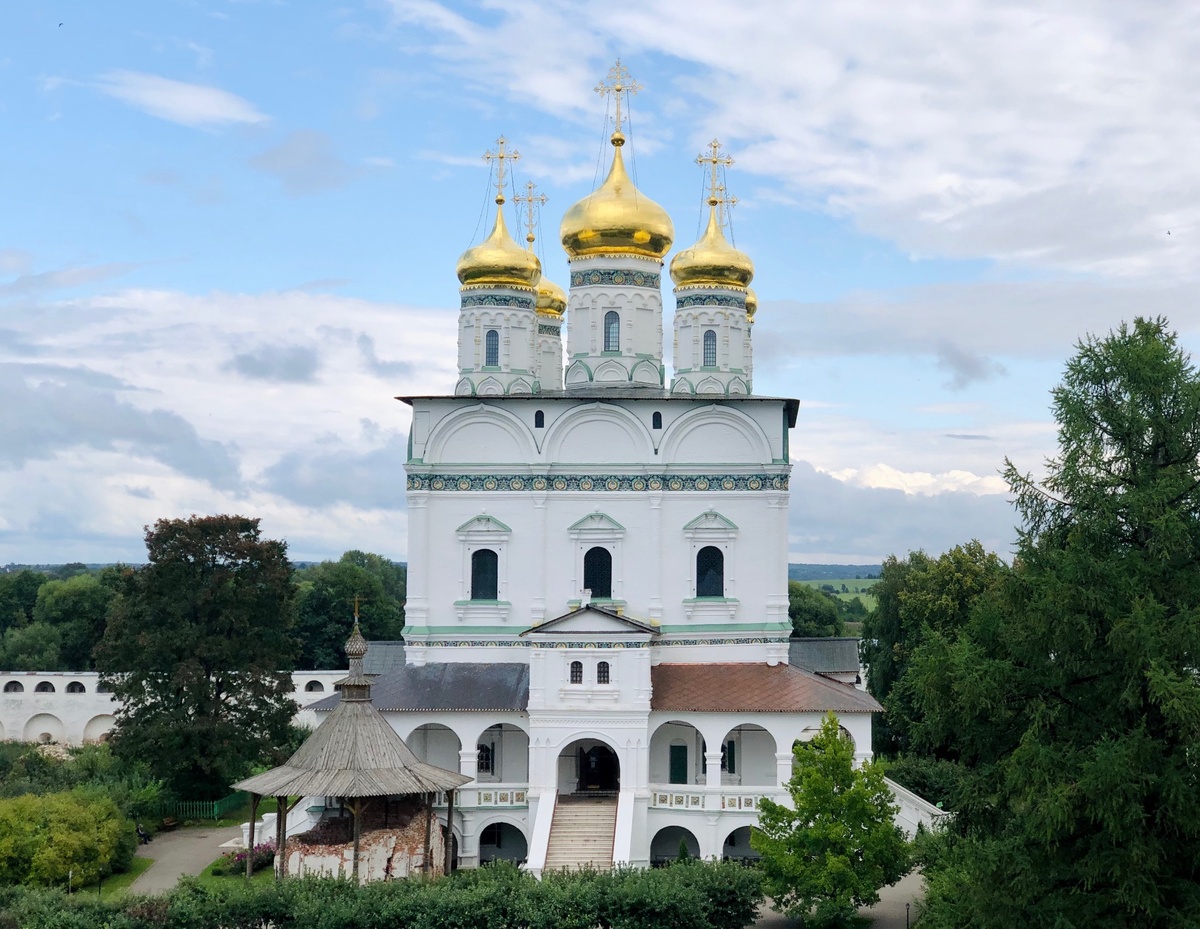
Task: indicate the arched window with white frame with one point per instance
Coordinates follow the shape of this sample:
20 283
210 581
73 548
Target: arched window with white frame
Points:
491 348
710 348
710 572
603 675
485 574
612 331
576 672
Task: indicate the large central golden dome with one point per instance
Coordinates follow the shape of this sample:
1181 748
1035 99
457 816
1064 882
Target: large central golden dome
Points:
617 219
712 261
498 261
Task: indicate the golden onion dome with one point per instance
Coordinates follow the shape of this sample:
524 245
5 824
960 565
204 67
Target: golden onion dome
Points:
751 304
712 261
498 261
551 299
616 218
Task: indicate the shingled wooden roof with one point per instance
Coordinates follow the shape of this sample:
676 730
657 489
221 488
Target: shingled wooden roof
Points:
752 688
354 752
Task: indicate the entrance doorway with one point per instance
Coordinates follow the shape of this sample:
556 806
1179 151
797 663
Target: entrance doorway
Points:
588 766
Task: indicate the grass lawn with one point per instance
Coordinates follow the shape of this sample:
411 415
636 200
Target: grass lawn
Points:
855 587
234 817
116 884
213 881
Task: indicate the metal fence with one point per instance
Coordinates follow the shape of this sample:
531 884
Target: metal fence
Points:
204 809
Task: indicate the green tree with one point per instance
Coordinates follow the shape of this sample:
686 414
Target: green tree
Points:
325 605
811 612
1072 695
198 651
832 851
917 595
78 609
18 594
36 647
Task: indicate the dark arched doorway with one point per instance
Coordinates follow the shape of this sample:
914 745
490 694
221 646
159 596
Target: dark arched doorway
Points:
588 766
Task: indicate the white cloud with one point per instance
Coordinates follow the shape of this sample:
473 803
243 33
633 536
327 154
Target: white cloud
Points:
1060 137
884 476
196 105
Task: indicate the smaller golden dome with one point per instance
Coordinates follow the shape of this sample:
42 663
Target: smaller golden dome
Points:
751 304
712 261
498 261
551 299
616 218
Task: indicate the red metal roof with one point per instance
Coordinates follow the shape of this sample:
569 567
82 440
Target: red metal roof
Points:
752 688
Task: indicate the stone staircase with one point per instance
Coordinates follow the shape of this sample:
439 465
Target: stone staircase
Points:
582 832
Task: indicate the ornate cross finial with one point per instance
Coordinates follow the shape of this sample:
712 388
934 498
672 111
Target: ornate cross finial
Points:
500 156
619 82
356 607
725 207
532 201
715 162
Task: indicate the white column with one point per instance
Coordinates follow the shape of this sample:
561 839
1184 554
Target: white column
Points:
538 606
783 768
656 603
712 779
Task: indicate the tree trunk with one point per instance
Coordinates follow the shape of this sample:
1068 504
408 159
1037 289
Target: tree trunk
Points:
357 835
449 829
426 864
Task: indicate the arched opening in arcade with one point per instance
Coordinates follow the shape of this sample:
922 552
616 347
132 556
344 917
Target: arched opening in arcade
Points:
502 842
737 846
588 766
436 744
670 843
748 757
676 754
502 755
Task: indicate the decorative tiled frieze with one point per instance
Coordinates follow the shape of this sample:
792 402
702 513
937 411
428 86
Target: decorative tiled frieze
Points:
469 300
504 797
525 643
620 278
733 300
588 483
547 329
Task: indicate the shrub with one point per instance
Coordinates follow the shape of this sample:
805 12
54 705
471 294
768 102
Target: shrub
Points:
261 856
54 838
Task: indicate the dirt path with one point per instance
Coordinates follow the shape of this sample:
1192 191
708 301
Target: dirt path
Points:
184 851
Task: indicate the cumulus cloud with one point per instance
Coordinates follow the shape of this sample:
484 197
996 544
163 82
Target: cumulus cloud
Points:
306 163
289 364
196 105
317 477
831 520
53 409
1050 137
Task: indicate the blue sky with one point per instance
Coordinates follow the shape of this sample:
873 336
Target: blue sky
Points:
229 232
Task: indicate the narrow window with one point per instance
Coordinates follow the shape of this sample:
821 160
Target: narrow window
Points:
710 348
597 573
491 348
602 673
576 672
730 754
486 757
656 421
76 688
539 420
484 574
314 687
612 331
45 687
14 687
710 572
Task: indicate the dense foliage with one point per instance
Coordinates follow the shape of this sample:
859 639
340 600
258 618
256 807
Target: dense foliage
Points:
198 650
916 596
694 895
325 599
832 851
52 838
812 612
1071 694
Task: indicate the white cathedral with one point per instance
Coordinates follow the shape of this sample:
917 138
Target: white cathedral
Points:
597 629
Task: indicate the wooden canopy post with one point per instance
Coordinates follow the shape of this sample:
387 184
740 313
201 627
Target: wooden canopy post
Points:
281 814
357 810
449 830
254 798
426 864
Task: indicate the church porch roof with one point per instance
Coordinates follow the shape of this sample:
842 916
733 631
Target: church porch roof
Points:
466 686
752 688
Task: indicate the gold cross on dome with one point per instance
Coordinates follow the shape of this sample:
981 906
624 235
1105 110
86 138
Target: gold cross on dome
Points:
500 156
725 207
619 82
532 201
715 162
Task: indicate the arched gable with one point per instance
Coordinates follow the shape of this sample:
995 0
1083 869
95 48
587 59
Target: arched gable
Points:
598 433
715 434
465 435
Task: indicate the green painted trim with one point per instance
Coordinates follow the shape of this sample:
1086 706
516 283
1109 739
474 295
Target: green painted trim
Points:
483 602
712 600
464 629
757 629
